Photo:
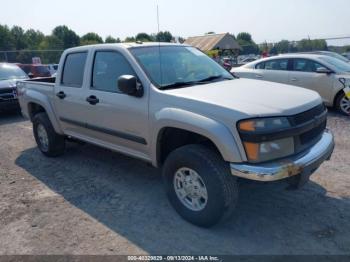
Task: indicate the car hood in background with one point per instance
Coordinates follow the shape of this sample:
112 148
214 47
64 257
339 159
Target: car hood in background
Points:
8 83
248 97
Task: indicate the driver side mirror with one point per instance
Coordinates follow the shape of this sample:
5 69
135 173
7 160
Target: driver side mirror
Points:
30 75
323 70
128 85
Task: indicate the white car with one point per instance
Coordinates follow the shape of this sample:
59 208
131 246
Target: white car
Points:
328 76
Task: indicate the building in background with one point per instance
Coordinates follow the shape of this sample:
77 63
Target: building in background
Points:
210 42
221 47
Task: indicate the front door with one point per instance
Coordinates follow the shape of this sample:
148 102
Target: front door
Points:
115 119
304 74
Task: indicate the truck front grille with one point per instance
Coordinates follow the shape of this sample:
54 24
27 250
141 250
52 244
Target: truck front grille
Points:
312 136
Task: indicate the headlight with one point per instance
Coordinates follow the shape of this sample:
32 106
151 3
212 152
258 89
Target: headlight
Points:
255 136
264 124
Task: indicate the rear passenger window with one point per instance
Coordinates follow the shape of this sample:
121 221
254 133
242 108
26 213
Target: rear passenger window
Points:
73 71
278 64
108 67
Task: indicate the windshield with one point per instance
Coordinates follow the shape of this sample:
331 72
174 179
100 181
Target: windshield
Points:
342 58
338 64
11 72
178 66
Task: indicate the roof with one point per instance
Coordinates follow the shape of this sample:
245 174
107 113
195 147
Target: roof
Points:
282 56
213 41
124 45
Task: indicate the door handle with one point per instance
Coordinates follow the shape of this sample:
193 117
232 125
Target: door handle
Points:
61 95
258 76
93 100
294 79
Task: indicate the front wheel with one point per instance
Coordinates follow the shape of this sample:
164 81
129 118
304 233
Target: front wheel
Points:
342 104
199 185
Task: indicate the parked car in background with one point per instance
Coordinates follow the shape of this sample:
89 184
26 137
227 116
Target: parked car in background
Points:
52 68
326 75
189 116
248 60
9 75
35 70
332 54
346 55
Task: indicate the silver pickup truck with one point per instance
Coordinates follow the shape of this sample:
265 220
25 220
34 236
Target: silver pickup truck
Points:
174 107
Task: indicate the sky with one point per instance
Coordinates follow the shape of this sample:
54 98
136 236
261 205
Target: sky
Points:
266 20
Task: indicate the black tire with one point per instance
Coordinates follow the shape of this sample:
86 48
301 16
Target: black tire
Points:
222 187
56 142
338 100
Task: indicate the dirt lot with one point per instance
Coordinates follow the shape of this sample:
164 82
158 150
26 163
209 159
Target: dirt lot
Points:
93 201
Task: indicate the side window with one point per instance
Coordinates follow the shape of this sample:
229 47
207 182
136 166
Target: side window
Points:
73 71
306 65
108 67
260 66
277 64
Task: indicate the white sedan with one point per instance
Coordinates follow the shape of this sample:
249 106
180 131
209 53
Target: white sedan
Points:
328 76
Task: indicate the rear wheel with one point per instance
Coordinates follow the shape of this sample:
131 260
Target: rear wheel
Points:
49 142
199 185
342 104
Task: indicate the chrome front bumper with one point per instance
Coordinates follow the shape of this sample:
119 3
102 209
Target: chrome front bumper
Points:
305 163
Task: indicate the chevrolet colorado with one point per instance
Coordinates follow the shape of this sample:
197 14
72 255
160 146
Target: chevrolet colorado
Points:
172 106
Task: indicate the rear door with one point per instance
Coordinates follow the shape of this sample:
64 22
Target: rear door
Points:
70 95
304 74
275 70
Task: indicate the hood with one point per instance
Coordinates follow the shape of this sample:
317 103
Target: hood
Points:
8 83
249 97
343 75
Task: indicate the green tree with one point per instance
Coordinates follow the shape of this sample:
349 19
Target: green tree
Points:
67 36
282 47
244 36
245 40
304 45
7 41
51 42
165 36
91 39
111 39
144 37
320 45
18 36
33 38
129 39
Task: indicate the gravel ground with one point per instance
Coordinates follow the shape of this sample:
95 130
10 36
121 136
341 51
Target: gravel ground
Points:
94 201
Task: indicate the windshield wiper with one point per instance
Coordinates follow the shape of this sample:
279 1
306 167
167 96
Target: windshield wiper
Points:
191 83
211 78
178 84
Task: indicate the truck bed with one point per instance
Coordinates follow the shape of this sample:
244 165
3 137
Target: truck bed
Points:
42 80
33 89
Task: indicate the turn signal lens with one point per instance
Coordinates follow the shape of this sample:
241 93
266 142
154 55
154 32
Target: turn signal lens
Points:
247 126
252 150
